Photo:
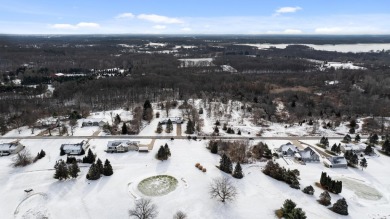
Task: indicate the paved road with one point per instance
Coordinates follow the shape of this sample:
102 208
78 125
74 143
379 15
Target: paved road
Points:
288 138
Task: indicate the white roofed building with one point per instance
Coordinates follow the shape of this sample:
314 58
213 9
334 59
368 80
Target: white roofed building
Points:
73 149
10 148
121 146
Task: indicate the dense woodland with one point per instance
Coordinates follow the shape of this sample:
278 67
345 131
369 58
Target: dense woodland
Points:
94 81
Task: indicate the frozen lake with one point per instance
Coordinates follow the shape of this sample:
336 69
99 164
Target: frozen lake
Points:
360 47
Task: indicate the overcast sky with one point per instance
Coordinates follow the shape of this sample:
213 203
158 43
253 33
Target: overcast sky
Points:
194 17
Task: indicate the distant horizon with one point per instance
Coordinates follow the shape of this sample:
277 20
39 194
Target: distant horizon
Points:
249 17
198 34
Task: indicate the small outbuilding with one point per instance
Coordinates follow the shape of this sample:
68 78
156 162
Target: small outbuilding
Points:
143 149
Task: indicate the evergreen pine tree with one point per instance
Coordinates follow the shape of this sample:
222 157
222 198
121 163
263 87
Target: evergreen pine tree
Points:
238 171
341 207
147 111
159 128
93 173
357 138
214 147
288 207
107 169
90 158
354 160
99 165
61 171
62 152
216 130
169 127
373 139
190 127
323 179
117 119
161 154
363 163
386 146
42 154
338 149
334 147
167 151
229 166
239 132
296 213
74 170
125 131
225 164
368 150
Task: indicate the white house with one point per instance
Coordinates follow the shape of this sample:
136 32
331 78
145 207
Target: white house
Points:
120 146
10 148
357 148
73 149
287 149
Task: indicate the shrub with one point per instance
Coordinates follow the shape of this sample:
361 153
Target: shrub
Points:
308 190
200 167
341 207
325 198
204 170
197 164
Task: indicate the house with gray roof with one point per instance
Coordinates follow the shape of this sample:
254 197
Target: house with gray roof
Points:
336 162
308 155
10 148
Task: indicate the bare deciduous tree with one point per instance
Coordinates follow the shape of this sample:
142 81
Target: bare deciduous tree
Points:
144 209
223 189
23 158
180 215
168 107
73 125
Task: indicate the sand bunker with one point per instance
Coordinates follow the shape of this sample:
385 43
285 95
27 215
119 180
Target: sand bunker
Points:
157 185
361 190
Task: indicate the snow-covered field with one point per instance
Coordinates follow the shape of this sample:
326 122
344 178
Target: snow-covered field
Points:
360 47
109 197
340 65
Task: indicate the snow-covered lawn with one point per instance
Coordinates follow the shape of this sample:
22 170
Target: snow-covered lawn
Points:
109 197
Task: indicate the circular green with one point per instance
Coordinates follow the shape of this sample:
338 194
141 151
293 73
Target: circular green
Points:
157 185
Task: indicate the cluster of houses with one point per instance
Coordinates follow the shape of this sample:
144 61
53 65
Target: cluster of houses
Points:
310 155
174 120
93 122
10 148
118 146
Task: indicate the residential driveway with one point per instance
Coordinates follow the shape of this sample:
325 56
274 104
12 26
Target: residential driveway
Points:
298 144
150 145
178 130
